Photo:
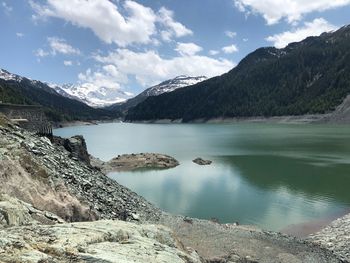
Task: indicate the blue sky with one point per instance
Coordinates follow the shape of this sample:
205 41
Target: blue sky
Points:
130 45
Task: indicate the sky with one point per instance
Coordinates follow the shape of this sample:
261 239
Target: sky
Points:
130 45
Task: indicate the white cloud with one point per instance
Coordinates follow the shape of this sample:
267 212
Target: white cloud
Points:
166 35
314 28
125 24
6 7
292 10
149 68
188 49
68 63
101 78
230 34
240 6
213 52
173 28
104 19
230 49
59 45
19 35
41 53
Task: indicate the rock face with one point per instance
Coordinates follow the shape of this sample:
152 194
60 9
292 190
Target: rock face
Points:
14 212
76 145
127 162
50 178
200 161
100 241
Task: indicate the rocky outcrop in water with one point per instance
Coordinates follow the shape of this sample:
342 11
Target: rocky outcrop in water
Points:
200 161
128 162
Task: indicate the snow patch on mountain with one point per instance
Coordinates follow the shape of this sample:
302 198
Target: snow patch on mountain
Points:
92 95
173 84
96 96
4 74
101 96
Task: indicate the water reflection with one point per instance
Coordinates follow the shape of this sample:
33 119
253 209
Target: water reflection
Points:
232 190
268 175
302 176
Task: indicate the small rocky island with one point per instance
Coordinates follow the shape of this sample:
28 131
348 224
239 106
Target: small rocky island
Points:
200 161
129 162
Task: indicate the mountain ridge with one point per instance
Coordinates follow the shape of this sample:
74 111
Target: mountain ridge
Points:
307 77
16 89
97 97
163 87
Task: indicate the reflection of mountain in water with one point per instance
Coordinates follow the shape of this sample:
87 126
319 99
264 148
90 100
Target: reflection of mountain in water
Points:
303 176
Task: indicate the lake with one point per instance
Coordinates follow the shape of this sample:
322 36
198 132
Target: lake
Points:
269 175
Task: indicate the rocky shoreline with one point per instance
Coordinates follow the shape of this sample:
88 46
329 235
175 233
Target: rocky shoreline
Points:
45 185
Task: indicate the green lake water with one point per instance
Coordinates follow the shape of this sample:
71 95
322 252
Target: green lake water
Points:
269 175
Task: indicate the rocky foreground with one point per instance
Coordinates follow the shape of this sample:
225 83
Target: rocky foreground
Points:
100 241
45 187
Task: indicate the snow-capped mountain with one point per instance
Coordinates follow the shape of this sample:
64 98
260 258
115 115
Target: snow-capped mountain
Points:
92 95
8 76
5 75
99 97
17 89
173 84
164 87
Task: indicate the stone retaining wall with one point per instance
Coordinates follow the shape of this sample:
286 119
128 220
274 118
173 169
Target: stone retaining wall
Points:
29 117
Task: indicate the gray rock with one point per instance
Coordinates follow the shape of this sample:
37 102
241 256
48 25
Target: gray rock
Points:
14 212
127 162
335 237
200 161
54 182
76 145
100 241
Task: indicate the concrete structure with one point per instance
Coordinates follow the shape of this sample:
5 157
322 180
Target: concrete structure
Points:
30 117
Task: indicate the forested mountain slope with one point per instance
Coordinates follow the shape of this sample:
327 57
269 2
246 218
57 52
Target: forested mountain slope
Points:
311 76
19 90
164 87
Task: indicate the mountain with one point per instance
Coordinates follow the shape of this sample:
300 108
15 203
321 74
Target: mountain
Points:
20 90
311 76
91 95
164 87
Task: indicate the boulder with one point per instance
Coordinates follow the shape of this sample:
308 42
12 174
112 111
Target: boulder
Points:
76 145
200 161
14 212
